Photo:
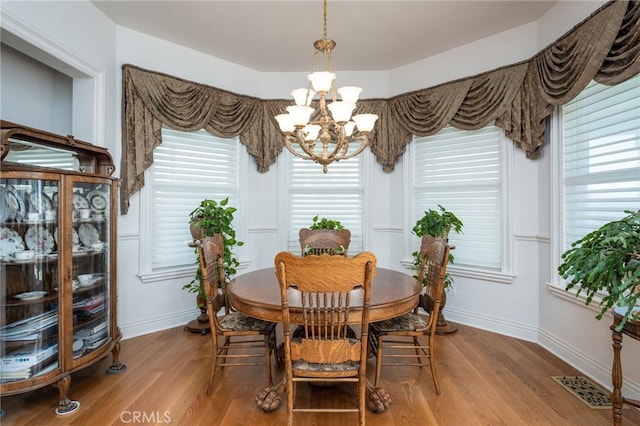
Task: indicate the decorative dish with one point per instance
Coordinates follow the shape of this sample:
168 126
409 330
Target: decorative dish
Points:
4 207
39 202
10 243
88 234
31 295
39 238
79 201
15 202
97 201
75 240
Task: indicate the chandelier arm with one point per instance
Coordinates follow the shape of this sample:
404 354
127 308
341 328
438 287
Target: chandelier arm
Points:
288 142
307 148
364 142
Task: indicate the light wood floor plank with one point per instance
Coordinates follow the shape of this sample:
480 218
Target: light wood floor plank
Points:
485 379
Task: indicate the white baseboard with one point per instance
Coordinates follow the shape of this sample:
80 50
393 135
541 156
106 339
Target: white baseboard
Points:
592 368
509 328
140 328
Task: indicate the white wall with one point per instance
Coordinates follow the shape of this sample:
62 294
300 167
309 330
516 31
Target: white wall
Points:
526 308
44 93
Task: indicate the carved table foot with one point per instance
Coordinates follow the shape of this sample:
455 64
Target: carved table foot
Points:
269 398
378 399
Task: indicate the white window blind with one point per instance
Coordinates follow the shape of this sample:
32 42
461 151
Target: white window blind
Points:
188 167
336 195
601 156
462 171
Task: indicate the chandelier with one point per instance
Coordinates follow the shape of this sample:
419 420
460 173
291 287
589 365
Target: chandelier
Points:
328 138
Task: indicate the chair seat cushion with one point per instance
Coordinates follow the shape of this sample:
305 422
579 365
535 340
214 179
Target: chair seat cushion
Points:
240 322
409 321
304 366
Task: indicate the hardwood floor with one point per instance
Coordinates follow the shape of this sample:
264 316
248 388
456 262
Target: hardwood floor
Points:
485 378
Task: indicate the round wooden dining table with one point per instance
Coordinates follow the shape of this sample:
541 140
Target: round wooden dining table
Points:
257 294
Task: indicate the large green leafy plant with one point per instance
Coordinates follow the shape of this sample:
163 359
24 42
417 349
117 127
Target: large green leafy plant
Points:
324 223
606 263
437 223
213 217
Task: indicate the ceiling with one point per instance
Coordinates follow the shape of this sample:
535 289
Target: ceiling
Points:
278 36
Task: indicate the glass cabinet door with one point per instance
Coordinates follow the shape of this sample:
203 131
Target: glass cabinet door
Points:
91 274
29 295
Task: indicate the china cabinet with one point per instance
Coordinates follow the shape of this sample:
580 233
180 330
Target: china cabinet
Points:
58 215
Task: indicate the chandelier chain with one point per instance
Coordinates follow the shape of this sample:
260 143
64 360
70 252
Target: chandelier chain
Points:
325 18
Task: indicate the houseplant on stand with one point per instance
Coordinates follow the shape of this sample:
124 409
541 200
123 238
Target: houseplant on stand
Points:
210 218
605 264
437 223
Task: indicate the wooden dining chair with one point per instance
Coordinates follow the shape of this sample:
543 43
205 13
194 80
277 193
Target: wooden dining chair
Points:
400 336
231 330
318 241
333 291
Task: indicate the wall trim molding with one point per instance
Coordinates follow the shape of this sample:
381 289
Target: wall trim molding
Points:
542 239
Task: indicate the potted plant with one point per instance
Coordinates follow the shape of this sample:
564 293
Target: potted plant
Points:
437 223
606 263
318 227
210 218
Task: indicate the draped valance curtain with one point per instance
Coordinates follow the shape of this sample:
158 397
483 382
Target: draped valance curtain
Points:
518 98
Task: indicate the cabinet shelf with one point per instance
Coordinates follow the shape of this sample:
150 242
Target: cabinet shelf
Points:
73 202
13 301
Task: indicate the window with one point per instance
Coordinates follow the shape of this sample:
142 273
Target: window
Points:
188 167
336 195
600 157
463 172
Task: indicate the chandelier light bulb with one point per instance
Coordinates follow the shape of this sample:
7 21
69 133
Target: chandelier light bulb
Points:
341 111
285 123
349 126
311 131
321 80
303 96
300 114
349 93
365 122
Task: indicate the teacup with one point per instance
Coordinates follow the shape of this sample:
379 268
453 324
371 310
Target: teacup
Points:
85 278
24 255
97 246
85 213
33 217
49 215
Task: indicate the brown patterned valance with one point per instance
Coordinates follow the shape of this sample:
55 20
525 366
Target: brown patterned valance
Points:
518 98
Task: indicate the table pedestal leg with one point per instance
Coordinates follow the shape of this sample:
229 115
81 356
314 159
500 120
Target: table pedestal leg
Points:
269 398
378 399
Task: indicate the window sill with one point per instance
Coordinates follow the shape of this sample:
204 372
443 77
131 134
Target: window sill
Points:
168 274
570 296
186 272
